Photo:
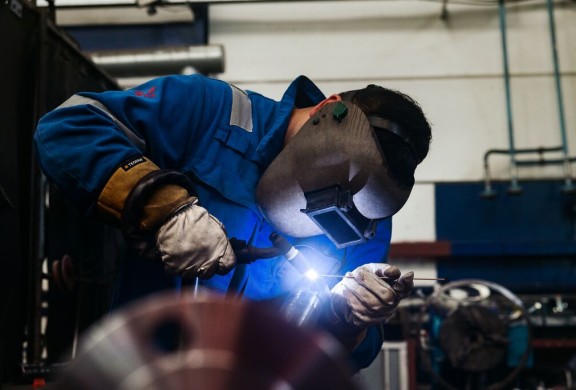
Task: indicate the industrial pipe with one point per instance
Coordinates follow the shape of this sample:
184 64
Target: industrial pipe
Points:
514 188
568 186
489 192
160 61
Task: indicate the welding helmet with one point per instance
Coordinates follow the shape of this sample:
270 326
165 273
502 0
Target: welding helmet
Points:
332 178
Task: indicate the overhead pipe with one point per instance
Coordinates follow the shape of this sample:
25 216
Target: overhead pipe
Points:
488 191
566 161
207 59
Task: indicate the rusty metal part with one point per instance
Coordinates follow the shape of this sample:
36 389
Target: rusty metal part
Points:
62 272
172 341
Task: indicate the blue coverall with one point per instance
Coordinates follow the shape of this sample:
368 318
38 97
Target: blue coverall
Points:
223 138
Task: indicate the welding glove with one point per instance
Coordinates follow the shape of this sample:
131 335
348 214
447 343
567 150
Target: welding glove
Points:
160 218
363 298
194 243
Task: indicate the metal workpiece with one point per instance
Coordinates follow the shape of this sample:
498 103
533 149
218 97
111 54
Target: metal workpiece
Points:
207 59
303 305
172 341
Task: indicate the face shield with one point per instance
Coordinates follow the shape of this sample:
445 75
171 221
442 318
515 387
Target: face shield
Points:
331 178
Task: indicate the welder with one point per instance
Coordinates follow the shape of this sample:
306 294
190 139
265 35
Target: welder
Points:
184 163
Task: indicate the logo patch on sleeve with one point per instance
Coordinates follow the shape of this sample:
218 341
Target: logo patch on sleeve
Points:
150 93
132 163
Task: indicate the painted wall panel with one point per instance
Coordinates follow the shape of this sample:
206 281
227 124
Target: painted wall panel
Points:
541 214
386 39
415 221
345 41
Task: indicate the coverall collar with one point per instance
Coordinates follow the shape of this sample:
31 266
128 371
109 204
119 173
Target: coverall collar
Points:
301 93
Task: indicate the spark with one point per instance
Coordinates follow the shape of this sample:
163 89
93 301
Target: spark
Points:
311 274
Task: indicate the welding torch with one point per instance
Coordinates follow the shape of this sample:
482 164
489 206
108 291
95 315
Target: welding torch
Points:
246 254
302 305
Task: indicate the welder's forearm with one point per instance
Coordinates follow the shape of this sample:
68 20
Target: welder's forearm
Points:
70 152
368 348
163 201
350 339
362 345
348 335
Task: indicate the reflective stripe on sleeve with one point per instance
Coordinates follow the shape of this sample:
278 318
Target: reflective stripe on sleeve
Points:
241 113
77 100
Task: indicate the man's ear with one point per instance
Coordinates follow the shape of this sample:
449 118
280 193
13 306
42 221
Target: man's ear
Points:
330 99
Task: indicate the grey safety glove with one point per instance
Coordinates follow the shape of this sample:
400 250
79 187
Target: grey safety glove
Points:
363 298
191 242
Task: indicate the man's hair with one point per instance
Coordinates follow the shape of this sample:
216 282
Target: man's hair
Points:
402 157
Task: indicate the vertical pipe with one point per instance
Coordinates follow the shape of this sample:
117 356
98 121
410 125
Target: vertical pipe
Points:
514 187
36 224
567 168
488 191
